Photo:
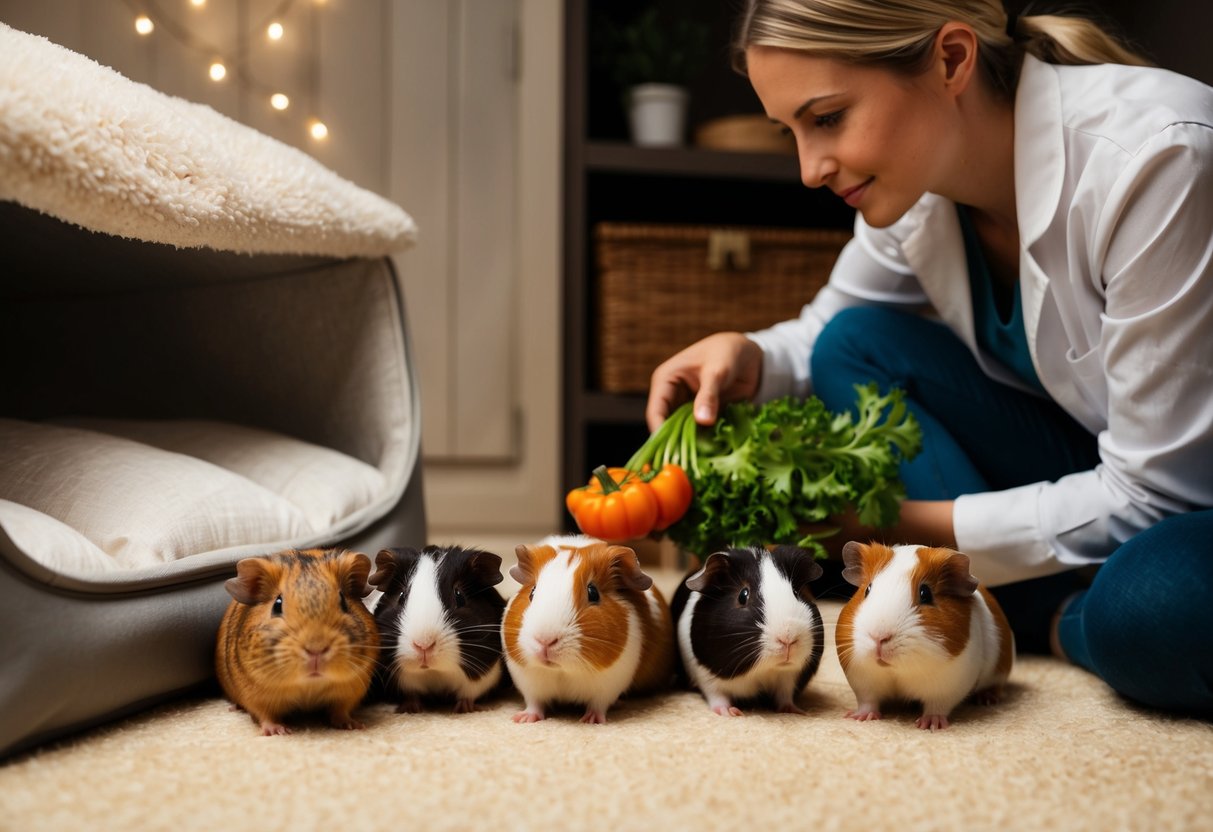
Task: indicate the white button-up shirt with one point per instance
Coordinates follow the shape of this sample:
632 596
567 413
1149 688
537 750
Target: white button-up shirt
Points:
1114 193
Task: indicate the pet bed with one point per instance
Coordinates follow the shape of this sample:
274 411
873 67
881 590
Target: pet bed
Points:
205 356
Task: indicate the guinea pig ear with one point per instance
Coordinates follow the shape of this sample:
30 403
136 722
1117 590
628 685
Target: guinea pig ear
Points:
523 571
852 558
626 565
485 567
715 566
955 577
385 567
353 569
254 582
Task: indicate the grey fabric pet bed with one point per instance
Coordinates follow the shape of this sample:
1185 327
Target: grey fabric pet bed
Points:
204 356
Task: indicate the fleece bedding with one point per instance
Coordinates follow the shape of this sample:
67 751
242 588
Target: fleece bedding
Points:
204 345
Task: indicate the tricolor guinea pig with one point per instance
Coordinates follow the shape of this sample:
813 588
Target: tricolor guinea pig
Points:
919 627
296 636
748 626
587 626
439 624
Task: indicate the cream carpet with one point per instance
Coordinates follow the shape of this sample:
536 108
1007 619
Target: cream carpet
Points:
1061 752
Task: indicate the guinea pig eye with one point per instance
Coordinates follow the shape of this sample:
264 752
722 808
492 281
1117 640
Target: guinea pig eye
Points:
743 597
460 601
344 606
924 595
531 597
277 609
591 592
867 590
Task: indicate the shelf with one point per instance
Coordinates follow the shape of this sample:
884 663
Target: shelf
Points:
690 161
613 408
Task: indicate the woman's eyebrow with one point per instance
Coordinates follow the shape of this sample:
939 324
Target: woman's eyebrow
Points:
806 105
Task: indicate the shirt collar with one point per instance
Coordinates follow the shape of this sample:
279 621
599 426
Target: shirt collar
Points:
1039 151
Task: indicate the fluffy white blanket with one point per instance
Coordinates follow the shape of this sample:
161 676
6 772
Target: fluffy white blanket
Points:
85 144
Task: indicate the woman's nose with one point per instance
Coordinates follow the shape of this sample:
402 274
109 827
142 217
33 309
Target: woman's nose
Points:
816 169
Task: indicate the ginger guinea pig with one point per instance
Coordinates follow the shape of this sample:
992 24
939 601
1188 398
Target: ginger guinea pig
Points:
748 626
919 627
439 623
586 626
296 636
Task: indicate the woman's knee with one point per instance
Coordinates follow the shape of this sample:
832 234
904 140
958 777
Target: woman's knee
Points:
849 350
1147 616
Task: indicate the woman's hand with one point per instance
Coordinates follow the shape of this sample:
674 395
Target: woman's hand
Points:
723 367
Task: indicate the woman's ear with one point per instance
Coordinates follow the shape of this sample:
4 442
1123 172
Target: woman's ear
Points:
956 47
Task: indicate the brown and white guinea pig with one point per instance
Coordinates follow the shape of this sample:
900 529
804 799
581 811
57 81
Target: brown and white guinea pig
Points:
919 627
586 626
296 636
748 626
439 623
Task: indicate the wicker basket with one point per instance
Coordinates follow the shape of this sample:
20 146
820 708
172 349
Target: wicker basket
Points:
663 287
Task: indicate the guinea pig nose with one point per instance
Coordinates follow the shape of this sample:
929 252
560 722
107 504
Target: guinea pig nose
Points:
422 647
545 645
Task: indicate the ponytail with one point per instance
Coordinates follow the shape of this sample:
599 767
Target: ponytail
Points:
899 35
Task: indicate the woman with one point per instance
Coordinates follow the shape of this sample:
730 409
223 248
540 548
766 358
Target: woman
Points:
1033 265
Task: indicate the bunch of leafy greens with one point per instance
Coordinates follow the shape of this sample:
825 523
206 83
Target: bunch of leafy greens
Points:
764 474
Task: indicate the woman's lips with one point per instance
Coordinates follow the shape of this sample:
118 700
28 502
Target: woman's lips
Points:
851 196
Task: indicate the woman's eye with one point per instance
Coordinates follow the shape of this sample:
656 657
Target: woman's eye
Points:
785 131
828 119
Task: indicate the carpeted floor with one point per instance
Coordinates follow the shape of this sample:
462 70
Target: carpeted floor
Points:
1061 752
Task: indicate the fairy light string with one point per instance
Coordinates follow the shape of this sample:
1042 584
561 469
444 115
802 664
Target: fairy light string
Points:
150 20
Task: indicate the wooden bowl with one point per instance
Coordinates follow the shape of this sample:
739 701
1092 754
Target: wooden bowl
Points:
752 133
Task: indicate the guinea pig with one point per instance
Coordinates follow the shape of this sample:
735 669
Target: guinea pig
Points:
919 627
296 636
748 626
439 623
587 626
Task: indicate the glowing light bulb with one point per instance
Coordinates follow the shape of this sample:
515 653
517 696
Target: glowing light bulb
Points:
274 31
144 25
218 71
197 4
318 130
279 101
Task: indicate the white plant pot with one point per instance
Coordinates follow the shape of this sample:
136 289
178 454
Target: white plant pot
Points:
658 114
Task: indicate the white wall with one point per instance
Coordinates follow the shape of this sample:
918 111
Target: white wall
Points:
452 109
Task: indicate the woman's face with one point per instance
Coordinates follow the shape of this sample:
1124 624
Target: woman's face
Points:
877 139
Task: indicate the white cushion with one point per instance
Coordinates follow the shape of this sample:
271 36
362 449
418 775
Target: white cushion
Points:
325 485
65 548
138 504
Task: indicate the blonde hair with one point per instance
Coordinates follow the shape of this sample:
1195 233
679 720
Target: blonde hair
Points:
900 34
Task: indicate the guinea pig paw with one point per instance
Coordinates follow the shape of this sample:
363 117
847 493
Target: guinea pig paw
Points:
593 716
933 722
864 713
409 705
987 696
345 722
726 708
466 706
273 729
529 715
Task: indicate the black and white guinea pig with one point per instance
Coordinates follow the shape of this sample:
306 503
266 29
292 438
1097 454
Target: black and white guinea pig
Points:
439 622
748 626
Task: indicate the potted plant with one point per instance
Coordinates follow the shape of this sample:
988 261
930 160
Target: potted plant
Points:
652 58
